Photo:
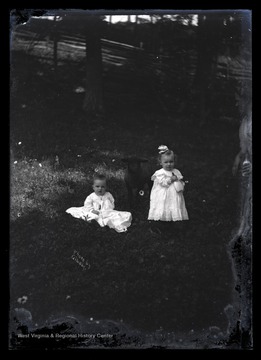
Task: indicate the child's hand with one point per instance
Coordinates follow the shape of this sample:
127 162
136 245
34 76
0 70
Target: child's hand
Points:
96 212
174 178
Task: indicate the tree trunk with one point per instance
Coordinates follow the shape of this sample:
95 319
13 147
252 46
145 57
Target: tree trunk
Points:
55 46
202 71
208 45
93 100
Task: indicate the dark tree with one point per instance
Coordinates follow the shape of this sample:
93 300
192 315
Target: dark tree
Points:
208 44
93 100
89 26
55 45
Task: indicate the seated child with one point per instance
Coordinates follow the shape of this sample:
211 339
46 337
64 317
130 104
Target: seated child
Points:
99 206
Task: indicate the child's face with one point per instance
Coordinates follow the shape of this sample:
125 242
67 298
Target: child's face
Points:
167 162
99 187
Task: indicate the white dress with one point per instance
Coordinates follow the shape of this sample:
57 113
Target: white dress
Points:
117 220
166 199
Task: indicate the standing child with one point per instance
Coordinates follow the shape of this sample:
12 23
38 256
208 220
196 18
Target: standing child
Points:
166 199
99 206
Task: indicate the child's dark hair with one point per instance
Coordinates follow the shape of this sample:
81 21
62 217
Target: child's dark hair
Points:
98 176
168 152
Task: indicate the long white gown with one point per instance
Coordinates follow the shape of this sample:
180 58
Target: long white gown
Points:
117 220
166 199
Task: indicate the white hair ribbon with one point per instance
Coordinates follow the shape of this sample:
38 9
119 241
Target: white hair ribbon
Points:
162 149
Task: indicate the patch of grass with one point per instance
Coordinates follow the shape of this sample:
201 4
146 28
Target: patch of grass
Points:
49 187
37 185
145 276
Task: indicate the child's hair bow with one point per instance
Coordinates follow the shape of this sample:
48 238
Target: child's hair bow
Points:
162 149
